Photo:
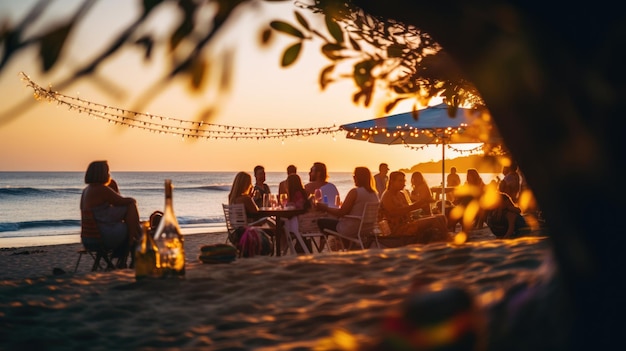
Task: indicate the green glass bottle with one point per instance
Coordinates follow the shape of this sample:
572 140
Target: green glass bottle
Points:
169 240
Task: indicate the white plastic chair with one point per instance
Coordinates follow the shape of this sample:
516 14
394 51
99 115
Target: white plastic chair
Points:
368 222
306 230
235 217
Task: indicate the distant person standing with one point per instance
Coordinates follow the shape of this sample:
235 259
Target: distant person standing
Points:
452 181
381 178
260 188
282 186
453 178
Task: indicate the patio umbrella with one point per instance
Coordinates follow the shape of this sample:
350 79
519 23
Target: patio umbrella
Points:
430 126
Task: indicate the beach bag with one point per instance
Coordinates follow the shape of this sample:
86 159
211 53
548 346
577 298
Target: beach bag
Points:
217 253
253 242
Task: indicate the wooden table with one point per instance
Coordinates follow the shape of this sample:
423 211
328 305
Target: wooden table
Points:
279 213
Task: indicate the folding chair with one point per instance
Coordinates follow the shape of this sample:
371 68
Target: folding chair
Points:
89 228
235 218
98 256
368 222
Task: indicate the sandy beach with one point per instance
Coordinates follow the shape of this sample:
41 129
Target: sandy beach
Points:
328 301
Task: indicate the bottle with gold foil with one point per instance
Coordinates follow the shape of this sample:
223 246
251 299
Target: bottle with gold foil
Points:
147 255
169 240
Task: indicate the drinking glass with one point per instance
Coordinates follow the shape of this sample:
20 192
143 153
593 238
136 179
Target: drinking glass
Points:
266 200
337 201
318 195
273 201
283 200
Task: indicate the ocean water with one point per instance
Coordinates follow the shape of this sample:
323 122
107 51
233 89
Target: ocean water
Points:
42 208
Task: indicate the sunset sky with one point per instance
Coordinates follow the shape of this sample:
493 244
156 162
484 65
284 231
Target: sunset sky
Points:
45 137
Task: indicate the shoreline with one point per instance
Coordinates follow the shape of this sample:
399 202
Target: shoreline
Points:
74 238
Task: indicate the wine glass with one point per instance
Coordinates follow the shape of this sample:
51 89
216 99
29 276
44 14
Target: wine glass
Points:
318 195
337 201
273 201
283 200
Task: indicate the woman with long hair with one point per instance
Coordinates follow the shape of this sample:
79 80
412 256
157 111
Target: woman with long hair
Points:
420 193
362 193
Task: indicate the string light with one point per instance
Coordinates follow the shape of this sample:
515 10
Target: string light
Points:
210 131
167 125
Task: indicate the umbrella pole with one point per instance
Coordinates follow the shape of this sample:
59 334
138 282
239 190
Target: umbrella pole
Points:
443 176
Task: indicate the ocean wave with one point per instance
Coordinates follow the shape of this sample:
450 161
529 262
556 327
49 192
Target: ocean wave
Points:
55 224
28 191
17 226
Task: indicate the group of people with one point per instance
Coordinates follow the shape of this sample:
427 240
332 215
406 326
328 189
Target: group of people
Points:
503 216
396 206
111 221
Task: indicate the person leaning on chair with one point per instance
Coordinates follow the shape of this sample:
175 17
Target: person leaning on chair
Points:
395 208
116 218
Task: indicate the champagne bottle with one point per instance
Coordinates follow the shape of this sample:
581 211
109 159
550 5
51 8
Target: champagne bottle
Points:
147 255
169 240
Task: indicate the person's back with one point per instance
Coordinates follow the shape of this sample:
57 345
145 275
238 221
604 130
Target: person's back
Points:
282 186
108 220
510 184
506 221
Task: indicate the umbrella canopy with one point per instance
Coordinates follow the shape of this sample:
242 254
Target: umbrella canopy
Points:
432 125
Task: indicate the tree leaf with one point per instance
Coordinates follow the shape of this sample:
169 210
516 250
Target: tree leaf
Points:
392 104
355 45
149 5
286 28
334 29
332 51
52 44
302 20
197 70
291 54
181 33
147 43
266 36
395 50
324 76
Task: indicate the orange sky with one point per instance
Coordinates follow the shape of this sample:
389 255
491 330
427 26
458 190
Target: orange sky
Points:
49 138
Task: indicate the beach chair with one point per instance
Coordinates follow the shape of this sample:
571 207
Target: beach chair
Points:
102 257
365 235
102 260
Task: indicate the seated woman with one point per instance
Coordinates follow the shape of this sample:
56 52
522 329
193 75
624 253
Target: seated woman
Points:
396 209
299 199
354 203
505 220
241 193
108 220
420 193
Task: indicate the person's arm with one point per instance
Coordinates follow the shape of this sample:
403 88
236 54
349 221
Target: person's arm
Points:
115 198
249 204
113 185
345 208
395 207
